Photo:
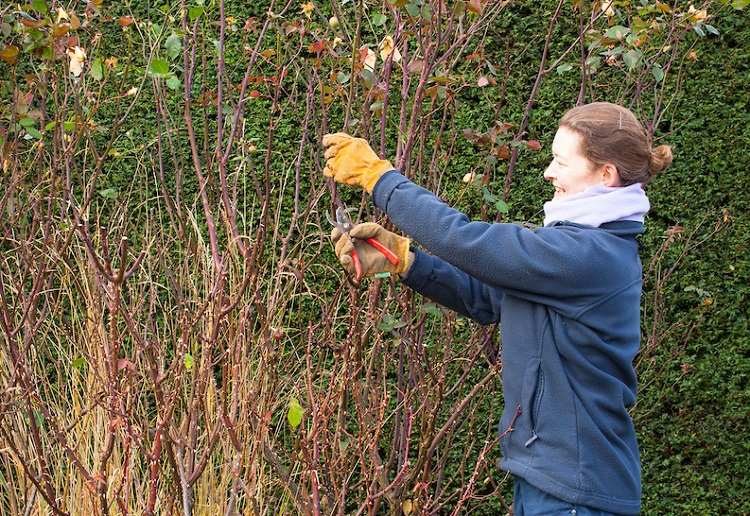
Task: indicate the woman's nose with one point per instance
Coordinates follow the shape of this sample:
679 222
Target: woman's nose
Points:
549 173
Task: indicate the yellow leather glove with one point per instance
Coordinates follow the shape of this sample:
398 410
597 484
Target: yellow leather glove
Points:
352 161
372 260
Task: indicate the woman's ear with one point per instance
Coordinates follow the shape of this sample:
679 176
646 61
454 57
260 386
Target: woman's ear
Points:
609 174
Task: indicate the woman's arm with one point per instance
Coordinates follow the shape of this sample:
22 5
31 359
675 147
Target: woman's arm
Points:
569 266
451 287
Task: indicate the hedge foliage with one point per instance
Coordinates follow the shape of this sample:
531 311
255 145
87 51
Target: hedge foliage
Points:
692 412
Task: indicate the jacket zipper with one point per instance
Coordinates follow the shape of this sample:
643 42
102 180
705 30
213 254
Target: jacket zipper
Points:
537 402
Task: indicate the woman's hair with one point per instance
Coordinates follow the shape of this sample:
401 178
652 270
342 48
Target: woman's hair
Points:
612 134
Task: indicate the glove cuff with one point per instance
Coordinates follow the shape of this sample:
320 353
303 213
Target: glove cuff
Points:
403 245
378 169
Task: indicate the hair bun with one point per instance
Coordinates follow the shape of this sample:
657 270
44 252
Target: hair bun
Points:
661 157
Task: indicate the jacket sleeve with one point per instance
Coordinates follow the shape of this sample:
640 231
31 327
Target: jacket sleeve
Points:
451 287
559 267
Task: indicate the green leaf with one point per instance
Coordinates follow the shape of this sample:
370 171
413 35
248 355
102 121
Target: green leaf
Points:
109 193
195 12
97 70
426 12
379 19
614 52
27 122
413 9
617 32
173 44
566 67
390 323
79 363
36 35
159 67
39 6
368 76
593 63
69 126
740 4
658 72
188 361
39 418
173 83
47 53
294 413
712 29
501 206
632 58
488 196
51 125
431 309
35 133
342 77
382 275
701 292
699 31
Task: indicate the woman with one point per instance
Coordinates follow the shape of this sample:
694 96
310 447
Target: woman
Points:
567 296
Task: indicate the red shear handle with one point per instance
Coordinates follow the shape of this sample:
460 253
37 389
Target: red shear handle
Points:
389 255
357 266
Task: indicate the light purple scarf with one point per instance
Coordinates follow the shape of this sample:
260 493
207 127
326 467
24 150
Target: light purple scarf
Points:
598 205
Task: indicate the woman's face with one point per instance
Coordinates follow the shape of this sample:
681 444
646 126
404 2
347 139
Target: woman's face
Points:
570 172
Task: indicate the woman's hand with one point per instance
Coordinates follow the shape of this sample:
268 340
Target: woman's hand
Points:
352 161
372 260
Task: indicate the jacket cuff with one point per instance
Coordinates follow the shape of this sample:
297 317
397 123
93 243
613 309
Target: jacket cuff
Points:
420 271
383 189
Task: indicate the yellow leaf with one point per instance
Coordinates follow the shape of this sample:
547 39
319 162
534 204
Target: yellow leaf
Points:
307 9
10 54
60 30
368 57
664 8
61 15
77 58
407 506
387 48
697 14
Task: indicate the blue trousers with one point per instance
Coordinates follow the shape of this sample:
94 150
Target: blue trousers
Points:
530 501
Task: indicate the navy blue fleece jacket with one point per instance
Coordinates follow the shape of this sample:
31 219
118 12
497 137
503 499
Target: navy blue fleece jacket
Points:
567 297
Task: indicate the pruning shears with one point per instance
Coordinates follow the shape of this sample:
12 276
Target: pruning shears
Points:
345 224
